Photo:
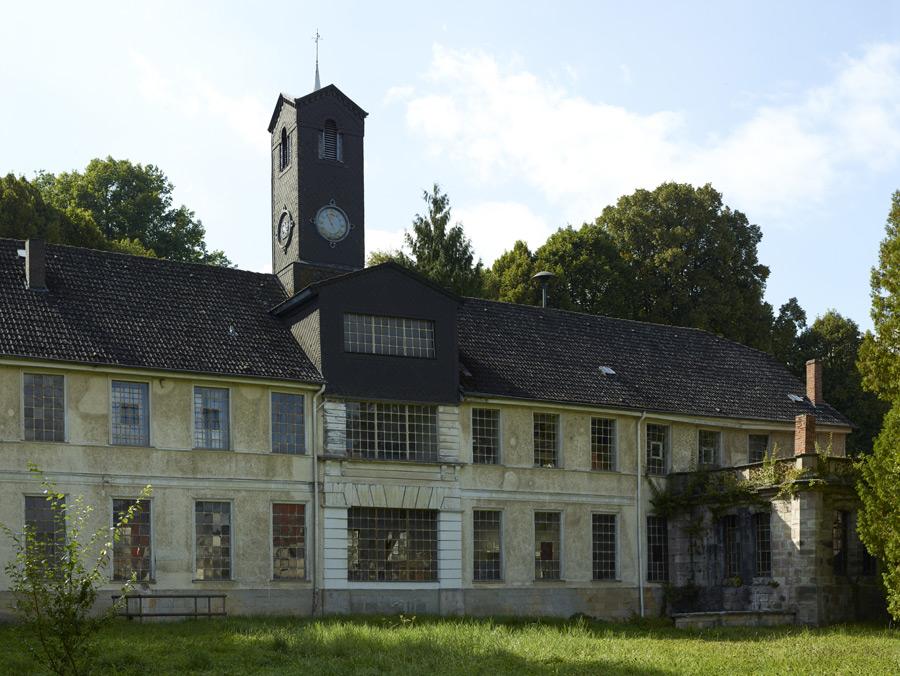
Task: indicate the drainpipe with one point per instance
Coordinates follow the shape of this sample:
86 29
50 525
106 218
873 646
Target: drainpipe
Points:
315 515
637 511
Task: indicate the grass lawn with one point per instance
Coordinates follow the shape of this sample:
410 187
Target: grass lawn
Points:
448 646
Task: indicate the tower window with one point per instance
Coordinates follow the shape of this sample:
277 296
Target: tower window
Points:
284 150
331 142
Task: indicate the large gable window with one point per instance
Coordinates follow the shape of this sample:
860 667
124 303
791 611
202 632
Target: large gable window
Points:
331 142
378 431
395 336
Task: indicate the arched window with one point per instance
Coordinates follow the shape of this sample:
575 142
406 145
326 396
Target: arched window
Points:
331 142
284 151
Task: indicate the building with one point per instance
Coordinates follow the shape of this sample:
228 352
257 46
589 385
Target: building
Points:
333 438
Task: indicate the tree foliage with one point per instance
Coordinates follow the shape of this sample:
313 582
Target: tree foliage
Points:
55 579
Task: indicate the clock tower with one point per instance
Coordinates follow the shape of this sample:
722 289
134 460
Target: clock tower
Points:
318 219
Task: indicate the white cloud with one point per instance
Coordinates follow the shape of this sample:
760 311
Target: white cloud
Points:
383 240
191 94
503 123
494 226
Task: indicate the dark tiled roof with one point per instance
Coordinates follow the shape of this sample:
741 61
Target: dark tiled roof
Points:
552 355
108 308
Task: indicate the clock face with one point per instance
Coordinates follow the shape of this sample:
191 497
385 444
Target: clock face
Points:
332 223
285 228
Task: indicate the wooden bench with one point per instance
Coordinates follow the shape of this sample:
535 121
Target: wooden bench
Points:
198 610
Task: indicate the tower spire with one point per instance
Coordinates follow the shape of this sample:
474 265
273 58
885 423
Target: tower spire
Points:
316 39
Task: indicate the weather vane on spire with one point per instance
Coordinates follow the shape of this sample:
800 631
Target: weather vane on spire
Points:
316 39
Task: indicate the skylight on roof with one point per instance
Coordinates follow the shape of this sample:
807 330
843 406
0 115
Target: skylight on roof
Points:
795 397
607 371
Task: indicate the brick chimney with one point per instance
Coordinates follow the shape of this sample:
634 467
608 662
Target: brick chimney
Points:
814 381
804 434
36 264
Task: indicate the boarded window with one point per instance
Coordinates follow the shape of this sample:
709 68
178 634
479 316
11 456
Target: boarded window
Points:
839 542
45 527
731 544
130 414
378 431
288 429
288 541
391 545
131 553
546 440
546 545
486 563
710 443
210 417
45 407
657 549
762 536
393 336
603 531
759 445
213 540
657 448
485 436
603 444
331 142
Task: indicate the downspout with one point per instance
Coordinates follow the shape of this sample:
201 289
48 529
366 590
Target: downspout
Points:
637 511
315 511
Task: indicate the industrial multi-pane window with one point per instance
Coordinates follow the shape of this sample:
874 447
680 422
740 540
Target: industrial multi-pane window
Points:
603 444
657 448
486 548
212 523
546 545
485 436
395 336
603 531
391 545
331 142
210 417
392 431
839 542
130 413
45 411
131 552
759 445
709 444
288 432
546 440
288 541
762 535
731 544
45 527
657 549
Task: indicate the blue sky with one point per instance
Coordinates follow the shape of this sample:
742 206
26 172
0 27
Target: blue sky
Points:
531 115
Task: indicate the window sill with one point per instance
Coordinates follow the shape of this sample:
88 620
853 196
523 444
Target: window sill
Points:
227 582
489 583
291 581
607 581
551 583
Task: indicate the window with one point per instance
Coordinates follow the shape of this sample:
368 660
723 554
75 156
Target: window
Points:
130 414
759 445
394 336
710 442
391 545
657 448
392 431
839 542
546 439
45 527
603 530
546 545
288 430
131 553
331 142
657 549
486 545
762 535
210 417
45 408
603 444
288 541
485 436
212 523
284 150
869 563
731 544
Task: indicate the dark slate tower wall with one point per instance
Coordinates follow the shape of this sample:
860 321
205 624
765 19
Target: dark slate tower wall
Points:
284 193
